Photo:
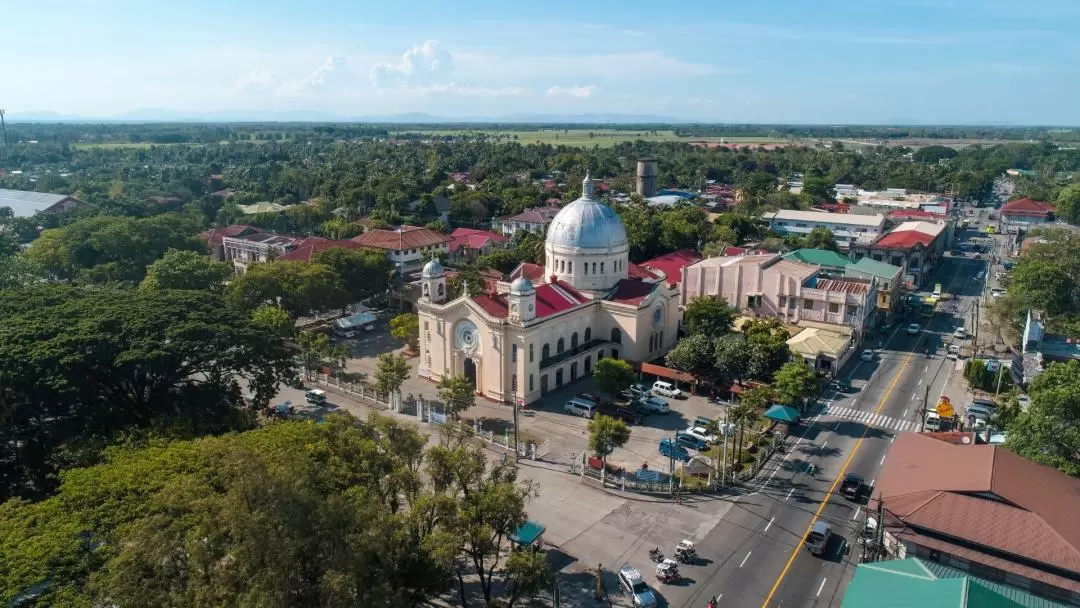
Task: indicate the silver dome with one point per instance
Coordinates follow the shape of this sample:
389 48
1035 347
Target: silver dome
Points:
433 269
521 287
587 223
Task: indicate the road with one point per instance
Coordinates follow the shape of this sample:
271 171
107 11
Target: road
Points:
756 549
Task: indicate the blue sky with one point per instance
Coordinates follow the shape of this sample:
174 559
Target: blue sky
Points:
807 61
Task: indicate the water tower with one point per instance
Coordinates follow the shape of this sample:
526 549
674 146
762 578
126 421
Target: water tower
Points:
646 177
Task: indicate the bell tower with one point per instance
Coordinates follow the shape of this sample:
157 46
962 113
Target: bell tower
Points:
433 281
522 299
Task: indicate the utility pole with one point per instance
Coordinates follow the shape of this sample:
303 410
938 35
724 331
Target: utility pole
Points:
723 473
975 346
925 408
881 529
518 404
671 465
1001 371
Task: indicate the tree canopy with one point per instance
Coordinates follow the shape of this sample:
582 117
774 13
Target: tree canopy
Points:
613 375
709 315
1048 432
186 269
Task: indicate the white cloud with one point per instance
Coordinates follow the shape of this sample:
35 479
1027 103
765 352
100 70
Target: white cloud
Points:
610 67
575 91
453 88
256 80
329 75
427 62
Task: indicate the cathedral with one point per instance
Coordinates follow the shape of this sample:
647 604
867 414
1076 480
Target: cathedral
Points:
547 326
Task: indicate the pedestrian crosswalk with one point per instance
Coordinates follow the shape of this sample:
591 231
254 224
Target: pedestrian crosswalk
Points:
870 418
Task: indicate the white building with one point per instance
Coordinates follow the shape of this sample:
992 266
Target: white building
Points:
845 227
406 246
524 338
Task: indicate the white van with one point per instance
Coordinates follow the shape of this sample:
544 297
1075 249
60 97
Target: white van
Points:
666 389
580 407
933 422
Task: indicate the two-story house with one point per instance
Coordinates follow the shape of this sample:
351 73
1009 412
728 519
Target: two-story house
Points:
846 228
407 247
534 220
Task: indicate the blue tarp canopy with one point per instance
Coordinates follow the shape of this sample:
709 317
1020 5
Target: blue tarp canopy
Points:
782 413
528 533
352 322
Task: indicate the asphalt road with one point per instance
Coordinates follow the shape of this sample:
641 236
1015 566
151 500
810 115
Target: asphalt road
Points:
756 551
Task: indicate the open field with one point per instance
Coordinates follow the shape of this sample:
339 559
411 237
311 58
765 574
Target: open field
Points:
115 145
591 137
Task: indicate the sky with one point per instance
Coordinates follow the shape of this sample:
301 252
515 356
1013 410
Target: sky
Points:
777 61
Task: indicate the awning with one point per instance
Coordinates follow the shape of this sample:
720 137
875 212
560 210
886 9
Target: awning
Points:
354 321
528 533
782 413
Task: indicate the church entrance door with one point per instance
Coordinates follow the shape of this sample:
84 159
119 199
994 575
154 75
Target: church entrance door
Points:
588 365
558 378
470 370
573 371
543 384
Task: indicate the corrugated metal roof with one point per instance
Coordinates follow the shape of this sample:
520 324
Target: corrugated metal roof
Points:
24 203
873 267
818 257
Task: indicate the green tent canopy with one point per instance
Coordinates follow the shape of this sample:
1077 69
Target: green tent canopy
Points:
528 533
783 413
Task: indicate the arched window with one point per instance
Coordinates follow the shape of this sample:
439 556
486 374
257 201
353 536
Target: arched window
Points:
440 290
616 335
601 268
426 290
586 265
594 267
573 340
545 352
588 334
560 346
530 383
570 267
530 355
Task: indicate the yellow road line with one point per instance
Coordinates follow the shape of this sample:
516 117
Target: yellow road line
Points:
832 489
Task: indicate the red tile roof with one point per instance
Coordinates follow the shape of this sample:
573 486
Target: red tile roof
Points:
915 214
553 298
533 272
214 235
539 215
985 497
309 247
635 271
405 237
671 264
470 238
904 239
1028 207
493 304
631 291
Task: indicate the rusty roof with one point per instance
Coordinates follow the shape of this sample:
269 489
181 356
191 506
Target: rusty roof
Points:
405 237
984 496
857 286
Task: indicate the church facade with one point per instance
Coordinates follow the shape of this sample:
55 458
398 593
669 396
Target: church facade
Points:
547 326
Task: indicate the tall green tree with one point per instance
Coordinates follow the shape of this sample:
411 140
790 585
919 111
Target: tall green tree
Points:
694 354
796 382
1048 432
406 327
297 287
185 269
709 315
822 238
362 272
458 394
613 375
391 371
731 357
606 434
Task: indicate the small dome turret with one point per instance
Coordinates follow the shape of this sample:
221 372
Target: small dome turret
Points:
521 287
433 269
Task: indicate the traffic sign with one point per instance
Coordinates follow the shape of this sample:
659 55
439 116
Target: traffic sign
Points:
945 408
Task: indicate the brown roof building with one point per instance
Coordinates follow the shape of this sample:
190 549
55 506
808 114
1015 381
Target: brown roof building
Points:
984 510
406 246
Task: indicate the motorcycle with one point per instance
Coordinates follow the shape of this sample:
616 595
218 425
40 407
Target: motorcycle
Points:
656 555
711 603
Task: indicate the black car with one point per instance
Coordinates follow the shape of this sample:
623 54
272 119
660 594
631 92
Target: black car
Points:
851 487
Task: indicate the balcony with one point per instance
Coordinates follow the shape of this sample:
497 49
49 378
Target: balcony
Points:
570 353
832 297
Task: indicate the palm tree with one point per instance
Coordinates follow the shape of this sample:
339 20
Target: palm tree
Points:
742 415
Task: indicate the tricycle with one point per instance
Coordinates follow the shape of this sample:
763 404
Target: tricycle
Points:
685 552
667 571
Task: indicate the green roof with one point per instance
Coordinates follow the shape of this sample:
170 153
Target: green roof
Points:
818 257
922 584
871 266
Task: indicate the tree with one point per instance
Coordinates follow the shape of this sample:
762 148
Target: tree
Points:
732 357
458 394
248 519
297 287
180 269
362 272
1048 432
613 375
112 248
274 319
822 238
338 229
795 382
767 339
527 574
933 154
605 435
694 354
709 315
1067 204
82 365
314 349
742 415
406 327
391 371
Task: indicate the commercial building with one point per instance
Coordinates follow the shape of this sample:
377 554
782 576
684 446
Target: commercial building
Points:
1027 211
983 510
258 248
532 335
846 228
890 281
917 247
24 203
828 261
406 246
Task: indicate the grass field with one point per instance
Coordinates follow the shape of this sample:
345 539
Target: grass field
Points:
588 138
115 145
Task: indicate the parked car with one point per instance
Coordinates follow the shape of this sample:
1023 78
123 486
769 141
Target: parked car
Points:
914 329
954 352
620 412
639 390
672 450
703 421
580 407
655 405
590 396
690 442
867 355
960 333
702 434
634 586
666 389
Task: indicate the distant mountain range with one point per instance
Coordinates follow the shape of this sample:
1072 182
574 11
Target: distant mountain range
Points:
162 115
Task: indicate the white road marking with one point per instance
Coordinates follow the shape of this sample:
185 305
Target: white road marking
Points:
905 412
855 515
825 443
892 439
769 525
820 587
920 384
789 493
836 426
745 558
883 459
912 396
926 368
872 482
